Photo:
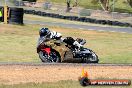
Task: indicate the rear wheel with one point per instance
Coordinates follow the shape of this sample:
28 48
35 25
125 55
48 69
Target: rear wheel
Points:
52 57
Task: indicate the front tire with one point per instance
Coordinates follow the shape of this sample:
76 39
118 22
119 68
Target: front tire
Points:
52 58
92 58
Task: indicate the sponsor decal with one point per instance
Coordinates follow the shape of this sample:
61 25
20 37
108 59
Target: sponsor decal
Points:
85 81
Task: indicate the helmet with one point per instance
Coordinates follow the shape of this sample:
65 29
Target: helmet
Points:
44 32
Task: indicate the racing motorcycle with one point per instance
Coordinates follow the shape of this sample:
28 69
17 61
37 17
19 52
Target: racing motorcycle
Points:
56 51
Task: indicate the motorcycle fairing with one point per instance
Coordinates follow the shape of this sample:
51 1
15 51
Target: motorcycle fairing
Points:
47 50
84 53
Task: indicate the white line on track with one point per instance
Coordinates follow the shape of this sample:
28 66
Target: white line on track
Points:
91 29
112 31
81 28
123 32
100 30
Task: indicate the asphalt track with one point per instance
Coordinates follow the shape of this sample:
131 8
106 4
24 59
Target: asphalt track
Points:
58 64
82 27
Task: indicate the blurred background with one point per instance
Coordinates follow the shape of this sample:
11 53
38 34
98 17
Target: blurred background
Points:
120 10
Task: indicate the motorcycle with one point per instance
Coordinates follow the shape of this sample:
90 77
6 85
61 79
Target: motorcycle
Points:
56 51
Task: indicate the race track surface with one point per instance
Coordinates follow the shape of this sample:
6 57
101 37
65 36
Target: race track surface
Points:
79 26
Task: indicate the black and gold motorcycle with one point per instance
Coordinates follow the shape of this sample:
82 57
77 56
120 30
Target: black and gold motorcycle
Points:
56 51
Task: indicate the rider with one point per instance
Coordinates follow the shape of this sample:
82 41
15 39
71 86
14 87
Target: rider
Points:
48 35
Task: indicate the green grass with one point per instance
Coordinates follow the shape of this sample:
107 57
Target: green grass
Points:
121 6
60 84
18 43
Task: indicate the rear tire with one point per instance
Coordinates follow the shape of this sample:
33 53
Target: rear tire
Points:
53 58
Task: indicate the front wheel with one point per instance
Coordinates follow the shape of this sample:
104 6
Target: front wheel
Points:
92 58
52 57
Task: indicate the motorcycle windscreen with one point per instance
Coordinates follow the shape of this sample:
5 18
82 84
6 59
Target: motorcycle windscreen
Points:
42 40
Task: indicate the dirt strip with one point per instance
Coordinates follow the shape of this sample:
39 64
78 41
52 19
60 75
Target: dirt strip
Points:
15 74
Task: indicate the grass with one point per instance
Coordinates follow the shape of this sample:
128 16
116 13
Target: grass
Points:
60 84
18 43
